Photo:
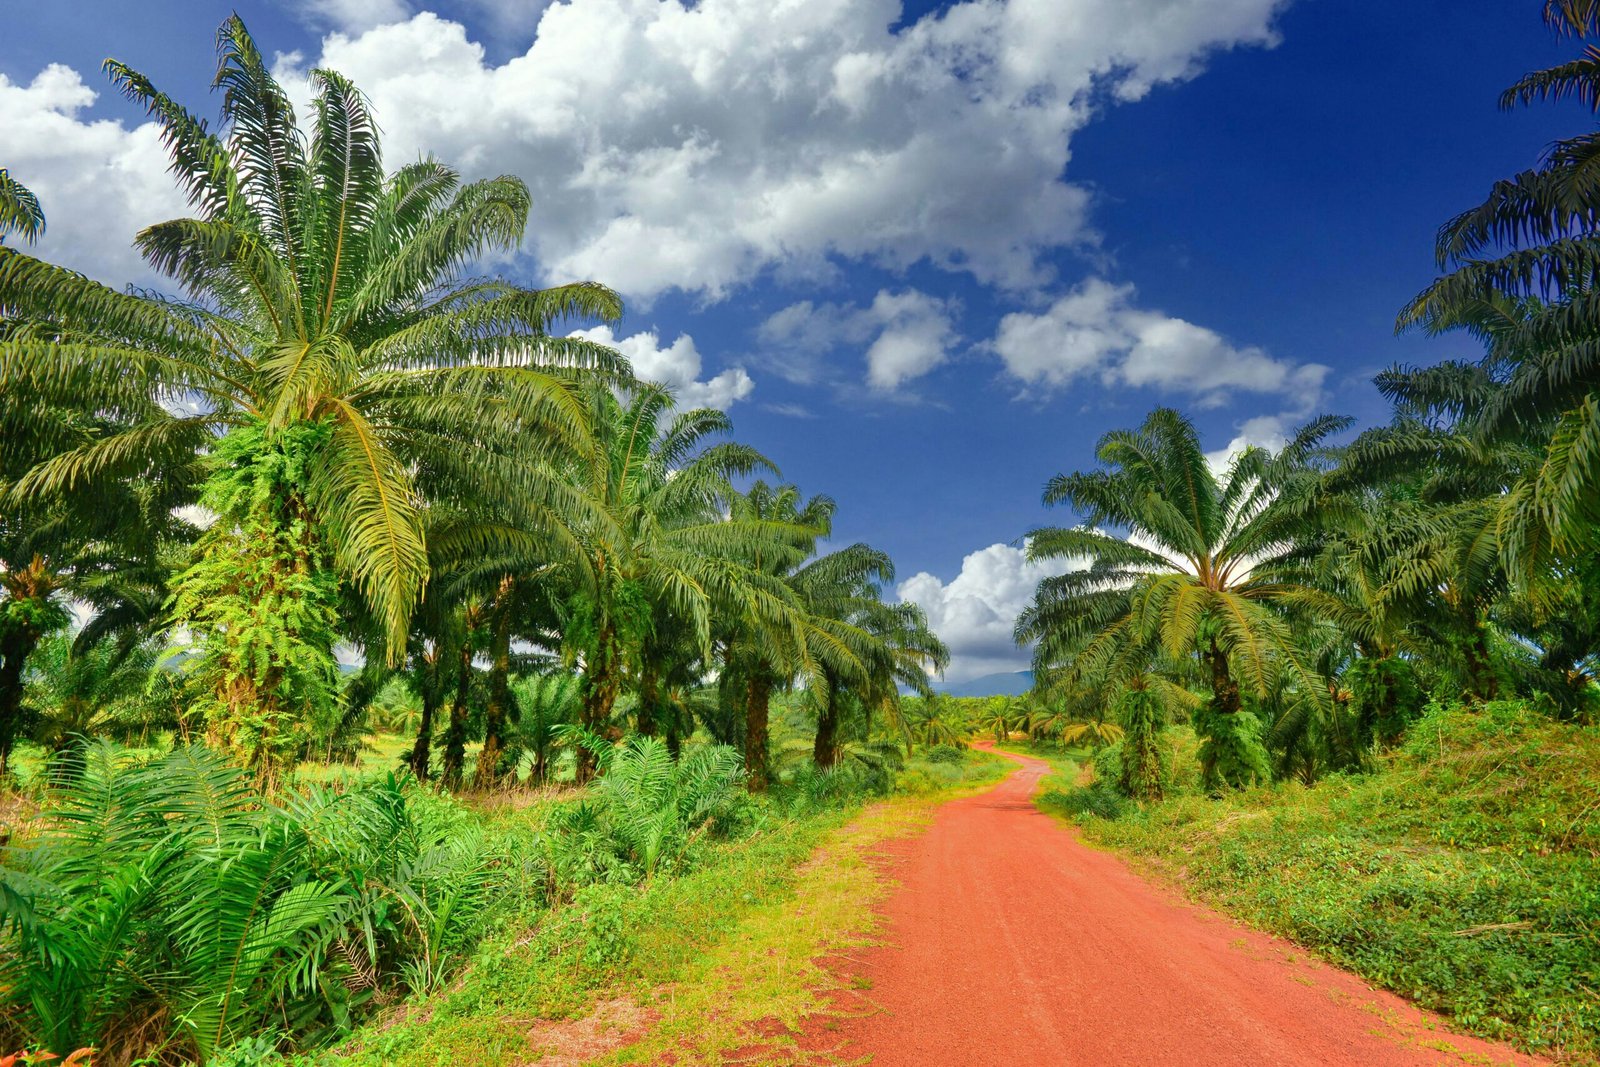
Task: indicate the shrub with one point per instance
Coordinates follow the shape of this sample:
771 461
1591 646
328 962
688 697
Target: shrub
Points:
812 789
167 905
946 754
646 811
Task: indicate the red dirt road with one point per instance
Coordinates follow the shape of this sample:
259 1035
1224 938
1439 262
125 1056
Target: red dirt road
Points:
1010 942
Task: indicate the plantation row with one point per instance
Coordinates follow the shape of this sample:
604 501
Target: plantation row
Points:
339 489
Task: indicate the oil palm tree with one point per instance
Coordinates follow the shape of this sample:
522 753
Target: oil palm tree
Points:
870 650
329 328
109 547
1187 572
1529 254
660 539
96 689
931 724
19 210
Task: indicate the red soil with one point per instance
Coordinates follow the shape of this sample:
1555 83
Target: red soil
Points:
1009 941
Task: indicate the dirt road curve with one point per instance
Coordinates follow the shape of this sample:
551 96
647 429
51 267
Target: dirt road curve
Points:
1010 942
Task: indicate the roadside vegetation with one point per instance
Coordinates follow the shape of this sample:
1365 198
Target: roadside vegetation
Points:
1462 870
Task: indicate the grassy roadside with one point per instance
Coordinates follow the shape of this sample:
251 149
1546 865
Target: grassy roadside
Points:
689 963
1464 873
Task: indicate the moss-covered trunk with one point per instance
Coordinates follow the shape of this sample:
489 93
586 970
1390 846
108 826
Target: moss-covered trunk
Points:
498 709
825 748
602 681
757 705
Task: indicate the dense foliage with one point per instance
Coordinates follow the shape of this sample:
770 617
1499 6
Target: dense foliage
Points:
166 909
338 485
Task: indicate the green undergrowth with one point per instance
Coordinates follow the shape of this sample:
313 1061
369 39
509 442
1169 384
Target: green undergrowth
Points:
647 944
1463 873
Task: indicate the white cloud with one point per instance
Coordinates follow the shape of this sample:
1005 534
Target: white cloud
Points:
974 613
906 334
1095 330
693 146
98 181
790 411
1261 431
351 16
677 366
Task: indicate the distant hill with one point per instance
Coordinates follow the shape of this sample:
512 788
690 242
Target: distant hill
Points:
990 685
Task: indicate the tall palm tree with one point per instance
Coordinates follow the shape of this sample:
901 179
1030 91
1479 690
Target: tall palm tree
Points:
1530 254
19 210
329 327
660 540
1188 571
867 648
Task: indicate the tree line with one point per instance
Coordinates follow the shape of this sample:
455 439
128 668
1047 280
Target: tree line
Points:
1300 603
338 442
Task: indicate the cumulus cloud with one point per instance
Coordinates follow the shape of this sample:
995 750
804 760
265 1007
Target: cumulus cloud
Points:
98 181
676 366
1260 431
696 145
351 16
1097 331
975 611
905 335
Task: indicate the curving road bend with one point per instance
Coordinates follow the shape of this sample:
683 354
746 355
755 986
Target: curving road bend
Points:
1010 942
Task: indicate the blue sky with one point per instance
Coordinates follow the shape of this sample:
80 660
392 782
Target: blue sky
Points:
925 255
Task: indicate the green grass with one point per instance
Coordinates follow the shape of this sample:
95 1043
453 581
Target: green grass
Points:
1464 874
700 956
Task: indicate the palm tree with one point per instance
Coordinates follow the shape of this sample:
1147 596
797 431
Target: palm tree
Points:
996 720
98 689
329 331
546 703
930 724
658 541
19 210
1190 573
851 643
108 546
1529 254
893 645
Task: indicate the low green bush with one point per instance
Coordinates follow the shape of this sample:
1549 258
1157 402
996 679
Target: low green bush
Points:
165 905
644 812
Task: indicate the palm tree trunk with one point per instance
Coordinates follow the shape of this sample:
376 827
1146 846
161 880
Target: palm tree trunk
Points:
494 716
1482 685
758 700
601 682
1224 690
15 647
422 748
649 697
825 749
455 738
